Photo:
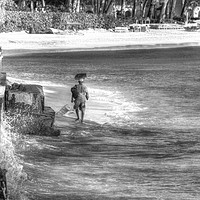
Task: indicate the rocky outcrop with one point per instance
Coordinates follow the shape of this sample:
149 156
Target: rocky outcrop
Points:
28 97
3 184
25 109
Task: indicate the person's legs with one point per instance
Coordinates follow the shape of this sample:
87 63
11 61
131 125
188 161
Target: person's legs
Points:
77 114
76 107
82 112
82 115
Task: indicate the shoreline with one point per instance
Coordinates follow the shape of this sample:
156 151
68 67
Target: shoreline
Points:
96 40
12 52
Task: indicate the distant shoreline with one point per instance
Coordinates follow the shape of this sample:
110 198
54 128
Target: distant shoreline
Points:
13 52
96 40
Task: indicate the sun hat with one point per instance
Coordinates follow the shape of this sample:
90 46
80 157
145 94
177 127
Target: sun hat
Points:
80 76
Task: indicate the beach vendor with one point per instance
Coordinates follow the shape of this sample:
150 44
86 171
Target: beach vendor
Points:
79 96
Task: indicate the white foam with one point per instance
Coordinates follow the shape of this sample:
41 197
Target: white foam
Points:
48 91
43 83
111 107
104 106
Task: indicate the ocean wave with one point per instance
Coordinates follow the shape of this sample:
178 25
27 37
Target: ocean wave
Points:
112 107
105 105
43 83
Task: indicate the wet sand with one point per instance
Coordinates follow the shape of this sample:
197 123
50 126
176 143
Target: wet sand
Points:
105 162
56 97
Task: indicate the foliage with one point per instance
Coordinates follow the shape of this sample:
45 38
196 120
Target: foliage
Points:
18 21
39 21
11 6
25 122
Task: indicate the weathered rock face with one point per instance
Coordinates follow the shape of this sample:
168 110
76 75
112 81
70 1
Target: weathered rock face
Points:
47 116
2 78
3 184
25 110
29 97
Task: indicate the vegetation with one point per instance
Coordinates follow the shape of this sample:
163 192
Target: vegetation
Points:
18 15
160 9
41 22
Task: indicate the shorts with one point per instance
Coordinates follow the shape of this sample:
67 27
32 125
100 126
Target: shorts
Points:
79 104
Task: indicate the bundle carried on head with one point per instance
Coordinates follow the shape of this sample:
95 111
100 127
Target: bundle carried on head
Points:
80 76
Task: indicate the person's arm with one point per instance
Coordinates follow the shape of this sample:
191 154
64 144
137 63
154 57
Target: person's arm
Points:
72 99
86 93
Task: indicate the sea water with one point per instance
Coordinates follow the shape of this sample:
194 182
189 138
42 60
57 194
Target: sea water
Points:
143 138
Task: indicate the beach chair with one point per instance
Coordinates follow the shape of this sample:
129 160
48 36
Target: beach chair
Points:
121 29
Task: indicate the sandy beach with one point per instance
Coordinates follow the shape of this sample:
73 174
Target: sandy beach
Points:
141 128
97 40
87 40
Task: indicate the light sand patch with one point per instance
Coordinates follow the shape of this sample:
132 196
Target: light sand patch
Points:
99 39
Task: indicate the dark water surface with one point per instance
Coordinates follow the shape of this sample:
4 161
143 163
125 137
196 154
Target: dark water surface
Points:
149 146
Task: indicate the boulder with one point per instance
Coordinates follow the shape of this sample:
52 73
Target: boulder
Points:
24 108
27 97
47 116
3 184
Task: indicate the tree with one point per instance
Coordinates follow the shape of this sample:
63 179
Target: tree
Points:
76 6
123 4
102 9
43 3
172 9
134 9
2 11
163 10
145 3
184 2
70 7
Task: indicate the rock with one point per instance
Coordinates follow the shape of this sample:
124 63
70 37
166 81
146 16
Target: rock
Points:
25 110
47 117
3 184
2 78
30 97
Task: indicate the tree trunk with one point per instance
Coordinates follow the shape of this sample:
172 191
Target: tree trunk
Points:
184 6
2 12
133 8
74 6
114 9
102 9
168 8
32 6
78 5
95 6
43 3
163 11
70 8
144 8
123 4
151 13
98 6
173 9
108 5
147 8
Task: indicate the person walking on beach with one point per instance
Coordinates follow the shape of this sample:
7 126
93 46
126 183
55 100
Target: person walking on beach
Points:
79 96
